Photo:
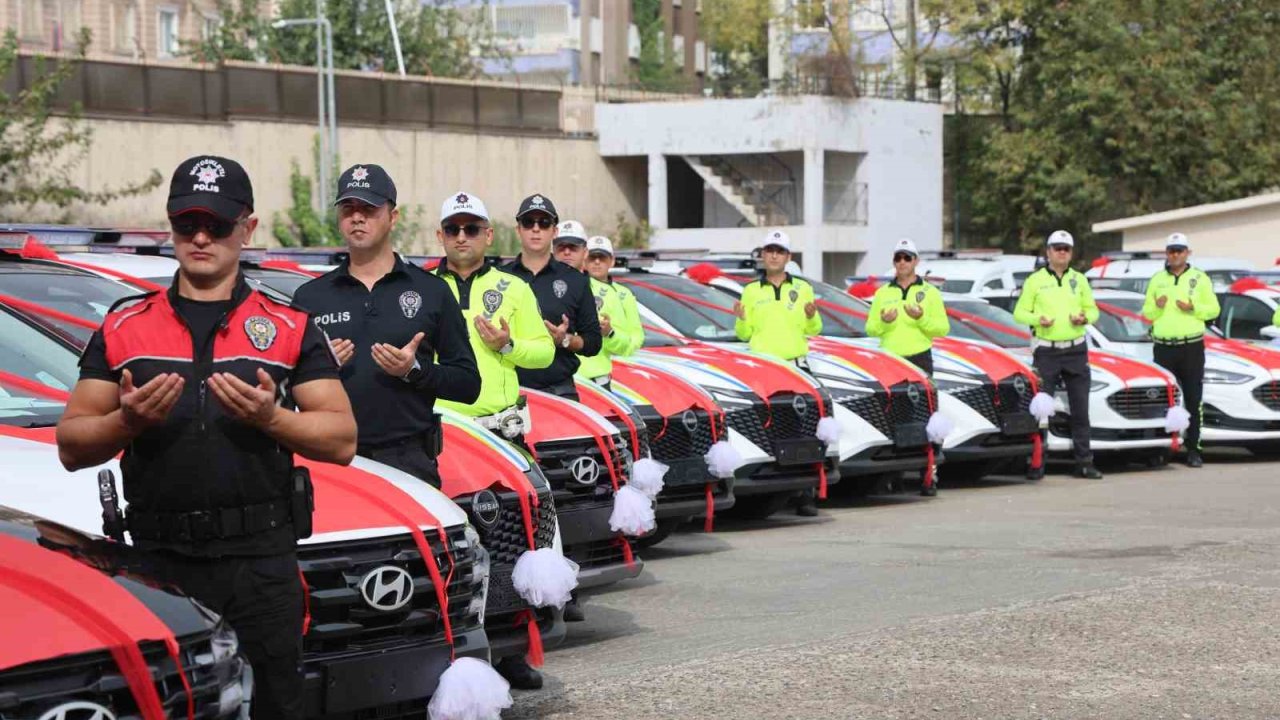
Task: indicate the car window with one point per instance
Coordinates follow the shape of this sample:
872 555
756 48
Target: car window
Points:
83 296
985 322
694 310
283 282
997 284
842 314
956 286
27 354
1243 317
1126 325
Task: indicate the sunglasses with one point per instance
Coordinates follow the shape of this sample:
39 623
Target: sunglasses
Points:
214 227
542 222
1060 248
903 257
470 229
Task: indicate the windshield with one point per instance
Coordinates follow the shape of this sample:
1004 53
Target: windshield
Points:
279 280
82 296
973 320
1126 326
34 370
842 314
694 310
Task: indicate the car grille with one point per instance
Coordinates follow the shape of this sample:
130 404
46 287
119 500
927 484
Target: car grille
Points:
1268 394
746 421
782 420
1141 403
28 691
556 457
675 441
993 400
642 434
596 553
341 619
885 411
506 541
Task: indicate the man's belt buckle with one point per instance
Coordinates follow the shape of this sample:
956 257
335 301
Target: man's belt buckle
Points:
512 422
200 525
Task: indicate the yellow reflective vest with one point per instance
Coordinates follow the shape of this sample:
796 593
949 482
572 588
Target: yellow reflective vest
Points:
1057 297
1172 322
774 322
906 335
619 303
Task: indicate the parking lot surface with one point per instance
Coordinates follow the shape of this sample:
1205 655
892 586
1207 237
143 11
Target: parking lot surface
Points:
1149 594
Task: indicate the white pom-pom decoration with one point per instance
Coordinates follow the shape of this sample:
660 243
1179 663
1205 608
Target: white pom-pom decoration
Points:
723 459
544 577
939 427
829 430
646 476
1177 419
632 512
1042 406
470 690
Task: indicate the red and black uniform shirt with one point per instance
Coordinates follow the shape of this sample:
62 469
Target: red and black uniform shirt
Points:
201 458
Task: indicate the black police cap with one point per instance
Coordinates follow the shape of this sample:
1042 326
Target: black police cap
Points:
537 203
212 184
369 184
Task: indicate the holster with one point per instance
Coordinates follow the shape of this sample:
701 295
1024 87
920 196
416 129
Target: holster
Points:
302 501
433 439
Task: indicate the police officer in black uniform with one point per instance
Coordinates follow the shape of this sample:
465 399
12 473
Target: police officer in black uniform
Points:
197 385
564 295
396 329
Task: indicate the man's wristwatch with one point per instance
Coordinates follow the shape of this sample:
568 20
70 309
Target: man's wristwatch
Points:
506 349
564 342
414 374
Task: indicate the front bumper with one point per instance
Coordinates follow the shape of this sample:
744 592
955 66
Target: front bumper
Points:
883 459
684 490
767 479
339 687
588 541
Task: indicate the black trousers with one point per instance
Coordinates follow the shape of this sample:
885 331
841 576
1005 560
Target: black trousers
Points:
411 458
1186 362
566 389
923 360
1070 367
261 598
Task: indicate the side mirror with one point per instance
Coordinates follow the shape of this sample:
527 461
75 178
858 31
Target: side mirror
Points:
1271 331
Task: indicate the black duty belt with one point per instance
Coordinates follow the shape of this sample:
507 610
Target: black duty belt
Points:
430 441
214 524
1179 341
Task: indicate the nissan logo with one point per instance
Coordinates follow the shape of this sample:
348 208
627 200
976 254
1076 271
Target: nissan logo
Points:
78 710
800 405
486 508
585 470
1020 384
1153 393
690 420
913 393
387 588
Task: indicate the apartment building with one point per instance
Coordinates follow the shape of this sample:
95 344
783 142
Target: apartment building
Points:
135 29
587 42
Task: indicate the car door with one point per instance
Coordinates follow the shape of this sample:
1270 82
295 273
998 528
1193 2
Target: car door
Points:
1243 317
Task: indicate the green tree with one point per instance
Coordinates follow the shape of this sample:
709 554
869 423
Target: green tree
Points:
41 144
737 33
1121 107
656 69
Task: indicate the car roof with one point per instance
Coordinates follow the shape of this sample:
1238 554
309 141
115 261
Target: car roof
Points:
13 264
962 269
139 266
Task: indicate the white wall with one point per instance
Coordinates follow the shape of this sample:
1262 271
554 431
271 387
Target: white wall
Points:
1252 234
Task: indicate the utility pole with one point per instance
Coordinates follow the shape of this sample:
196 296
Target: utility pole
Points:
911 49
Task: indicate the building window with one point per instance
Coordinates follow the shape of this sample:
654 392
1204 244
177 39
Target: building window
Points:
124 27
70 22
209 27
167 32
31 18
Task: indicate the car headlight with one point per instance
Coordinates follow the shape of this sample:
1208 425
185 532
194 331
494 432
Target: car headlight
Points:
1225 377
1097 386
479 573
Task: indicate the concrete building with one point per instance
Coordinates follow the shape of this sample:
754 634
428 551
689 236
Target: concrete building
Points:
586 42
134 29
844 178
1247 228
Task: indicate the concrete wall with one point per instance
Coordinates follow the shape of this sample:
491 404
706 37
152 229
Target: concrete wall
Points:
1252 234
426 165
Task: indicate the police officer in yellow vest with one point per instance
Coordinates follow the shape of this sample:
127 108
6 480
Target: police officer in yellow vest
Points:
1180 300
619 313
908 313
507 332
1057 303
778 314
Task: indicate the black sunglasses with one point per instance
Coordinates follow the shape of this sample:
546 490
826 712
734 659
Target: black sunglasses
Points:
470 229
216 228
1060 248
542 222
903 257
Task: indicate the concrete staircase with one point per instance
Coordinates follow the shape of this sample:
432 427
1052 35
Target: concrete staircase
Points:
741 192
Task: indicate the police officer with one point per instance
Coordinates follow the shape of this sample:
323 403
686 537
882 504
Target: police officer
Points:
507 333
1057 303
619 313
776 315
564 296
908 313
1180 300
396 329
197 386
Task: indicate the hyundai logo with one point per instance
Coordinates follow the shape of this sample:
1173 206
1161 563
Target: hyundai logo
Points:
1153 393
387 588
690 420
486 508
913 393
800 405
78 710
1020 384
585 470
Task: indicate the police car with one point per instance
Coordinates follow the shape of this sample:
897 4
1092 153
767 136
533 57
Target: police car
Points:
57 585
1248 308
1132 270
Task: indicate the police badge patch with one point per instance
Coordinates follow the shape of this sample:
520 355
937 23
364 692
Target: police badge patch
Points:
794 295
1073 283
261 331
920 296
599 303
559 287
1193 283
492 300
410 303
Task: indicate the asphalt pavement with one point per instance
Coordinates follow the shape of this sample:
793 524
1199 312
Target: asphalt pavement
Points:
1148 594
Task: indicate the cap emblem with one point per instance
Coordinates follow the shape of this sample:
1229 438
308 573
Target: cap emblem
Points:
360 173
208 171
